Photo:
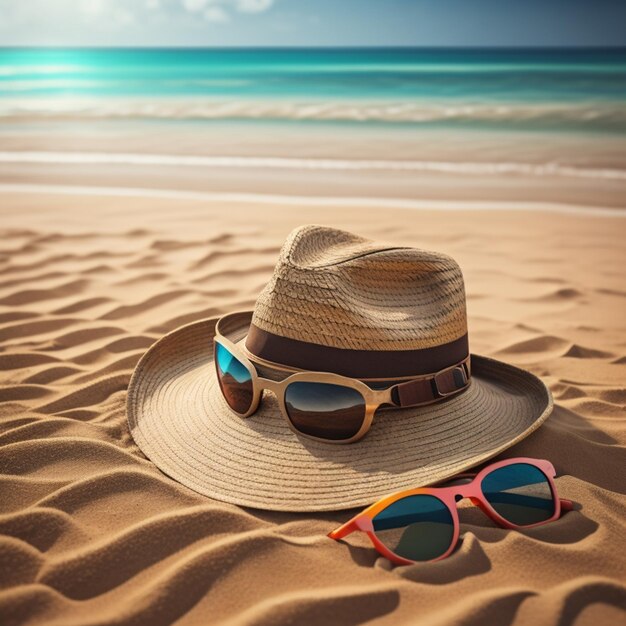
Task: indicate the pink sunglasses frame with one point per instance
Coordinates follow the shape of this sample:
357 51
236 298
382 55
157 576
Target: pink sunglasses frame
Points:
448 495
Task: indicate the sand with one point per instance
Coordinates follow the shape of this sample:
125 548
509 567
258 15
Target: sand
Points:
92 533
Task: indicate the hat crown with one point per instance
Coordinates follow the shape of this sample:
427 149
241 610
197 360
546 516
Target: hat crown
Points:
336 289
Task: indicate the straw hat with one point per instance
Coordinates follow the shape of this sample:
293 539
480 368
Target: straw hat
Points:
360 309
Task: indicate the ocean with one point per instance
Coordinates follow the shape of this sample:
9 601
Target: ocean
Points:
580 91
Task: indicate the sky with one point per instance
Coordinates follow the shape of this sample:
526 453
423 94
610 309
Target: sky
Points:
177 23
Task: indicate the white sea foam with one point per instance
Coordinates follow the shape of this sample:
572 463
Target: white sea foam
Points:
288 163
45 70
213 108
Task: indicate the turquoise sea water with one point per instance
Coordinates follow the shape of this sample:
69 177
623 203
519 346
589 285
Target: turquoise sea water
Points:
574 90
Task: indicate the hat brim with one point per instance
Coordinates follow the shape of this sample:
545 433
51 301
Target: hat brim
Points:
179 419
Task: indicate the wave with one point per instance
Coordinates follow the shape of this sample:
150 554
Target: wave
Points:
34 86
591 114
357 67
41 70
267 162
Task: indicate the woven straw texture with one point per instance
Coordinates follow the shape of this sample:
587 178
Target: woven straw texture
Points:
179 419
335 289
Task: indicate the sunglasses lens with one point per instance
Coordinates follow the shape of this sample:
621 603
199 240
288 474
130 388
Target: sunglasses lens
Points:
418 528
519 493
235 380
325 410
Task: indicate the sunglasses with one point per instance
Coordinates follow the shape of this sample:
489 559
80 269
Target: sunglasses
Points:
321 405
423 524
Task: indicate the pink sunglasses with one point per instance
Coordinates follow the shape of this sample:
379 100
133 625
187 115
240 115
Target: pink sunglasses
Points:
423 524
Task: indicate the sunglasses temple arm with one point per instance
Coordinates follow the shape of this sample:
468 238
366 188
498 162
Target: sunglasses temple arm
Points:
345 529
566 505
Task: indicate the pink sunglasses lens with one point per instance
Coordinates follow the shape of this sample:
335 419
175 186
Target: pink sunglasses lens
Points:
417 528
520 493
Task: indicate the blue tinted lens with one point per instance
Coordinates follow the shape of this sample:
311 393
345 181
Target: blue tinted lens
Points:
235 380
418 528
325 410
520 493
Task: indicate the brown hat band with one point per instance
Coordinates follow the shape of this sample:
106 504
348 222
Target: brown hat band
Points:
361 364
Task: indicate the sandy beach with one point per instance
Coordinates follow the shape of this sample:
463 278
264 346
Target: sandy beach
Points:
92 274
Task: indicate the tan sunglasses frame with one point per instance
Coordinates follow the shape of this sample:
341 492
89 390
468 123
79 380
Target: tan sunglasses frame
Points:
374 398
